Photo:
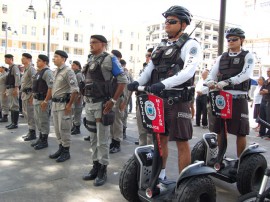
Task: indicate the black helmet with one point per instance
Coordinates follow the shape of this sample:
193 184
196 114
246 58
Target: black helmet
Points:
180 12
235 32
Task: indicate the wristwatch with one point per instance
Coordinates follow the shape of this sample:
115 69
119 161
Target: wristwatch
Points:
114 101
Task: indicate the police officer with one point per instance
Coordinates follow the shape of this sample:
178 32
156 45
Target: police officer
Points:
232 71
99 72
42 93
64 93
172 68
26 95
13 82
116 129
78 103
3 96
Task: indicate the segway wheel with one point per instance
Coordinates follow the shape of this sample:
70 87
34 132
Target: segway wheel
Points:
250 173
128 180
252 197
198 188
198 152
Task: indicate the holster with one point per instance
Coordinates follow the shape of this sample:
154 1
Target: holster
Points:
107 119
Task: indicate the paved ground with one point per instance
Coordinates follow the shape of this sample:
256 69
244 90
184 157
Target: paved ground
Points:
27 175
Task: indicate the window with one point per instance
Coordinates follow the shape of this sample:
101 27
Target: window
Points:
66 36
215 38
197 35
147 38
43 47
78 51
214 56
76 23
3 43
66 49
4 26
215 29
33 31
24 45
67 21
206 37
120 45
206 56
24 29
4 8
155 36
206 46
44 31
207 27
131 46
103 27
132 34
76 37
33 46
121 31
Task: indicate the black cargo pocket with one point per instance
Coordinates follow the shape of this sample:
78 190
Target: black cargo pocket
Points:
244 126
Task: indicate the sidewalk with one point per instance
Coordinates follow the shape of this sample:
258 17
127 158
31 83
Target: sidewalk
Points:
27 175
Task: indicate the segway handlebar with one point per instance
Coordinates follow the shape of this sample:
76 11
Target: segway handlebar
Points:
148 88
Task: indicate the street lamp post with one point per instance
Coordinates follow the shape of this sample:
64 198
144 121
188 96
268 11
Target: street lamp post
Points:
49 10
7 28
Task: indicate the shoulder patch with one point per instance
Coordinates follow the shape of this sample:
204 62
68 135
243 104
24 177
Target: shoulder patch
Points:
193 51
250 61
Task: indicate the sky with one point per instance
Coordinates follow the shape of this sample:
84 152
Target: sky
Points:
147 11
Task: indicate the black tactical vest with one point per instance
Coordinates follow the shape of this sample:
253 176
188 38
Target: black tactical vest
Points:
10 80
95 84
168 62
39 85
231 66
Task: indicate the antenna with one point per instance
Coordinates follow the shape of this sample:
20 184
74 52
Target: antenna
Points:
195 28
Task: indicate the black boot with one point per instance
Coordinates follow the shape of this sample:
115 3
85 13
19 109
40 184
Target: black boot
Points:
116 148
43 142
12 118
112 144
57 153
124 132
76 130
73 127
31 135
93 172
65 155
101 176
87 138
15 120
38 140
4 118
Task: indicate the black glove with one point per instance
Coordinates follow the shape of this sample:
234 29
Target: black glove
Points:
157 88
133 86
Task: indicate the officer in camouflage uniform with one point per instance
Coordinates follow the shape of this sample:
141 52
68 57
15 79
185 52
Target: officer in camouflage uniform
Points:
26 95
64 93
100 99
78 104
42 93
13 82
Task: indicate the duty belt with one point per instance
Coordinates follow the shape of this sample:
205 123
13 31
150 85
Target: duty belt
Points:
39 96
27 90
95 100
60 100
238 97
175 96
10 86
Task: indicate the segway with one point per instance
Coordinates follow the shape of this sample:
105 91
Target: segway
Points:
139 176
248 171
263 194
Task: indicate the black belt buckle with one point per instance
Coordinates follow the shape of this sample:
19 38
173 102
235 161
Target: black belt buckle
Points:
170 101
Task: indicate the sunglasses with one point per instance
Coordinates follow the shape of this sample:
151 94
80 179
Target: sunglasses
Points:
171 21
233 39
